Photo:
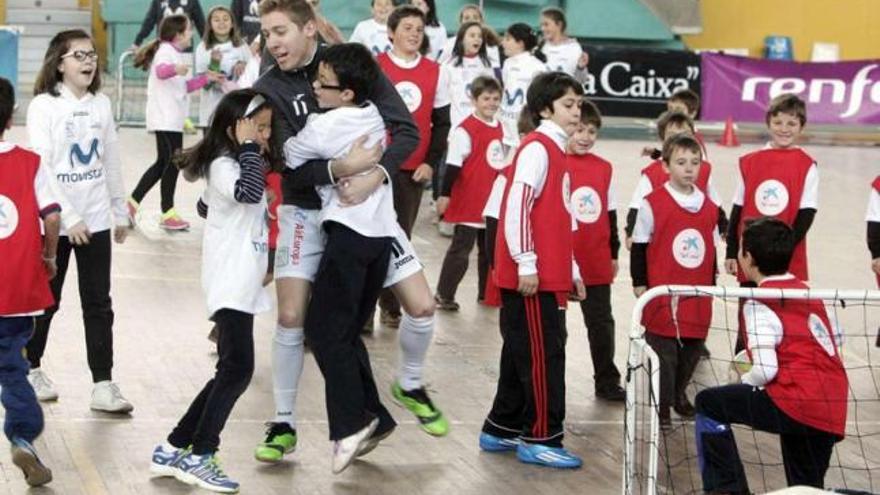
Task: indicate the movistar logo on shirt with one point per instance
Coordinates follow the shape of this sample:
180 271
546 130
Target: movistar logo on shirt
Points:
517 97
84 158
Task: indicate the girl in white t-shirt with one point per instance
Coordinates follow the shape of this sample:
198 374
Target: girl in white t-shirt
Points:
70 125
469 61
233 158
373 32
435 31
563 53
520 67
167 107
221 50
473 13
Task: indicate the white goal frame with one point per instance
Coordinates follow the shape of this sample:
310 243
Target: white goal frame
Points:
640 352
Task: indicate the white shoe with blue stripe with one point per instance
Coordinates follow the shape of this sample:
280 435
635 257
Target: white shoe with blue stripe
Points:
205 472
165 459
543 455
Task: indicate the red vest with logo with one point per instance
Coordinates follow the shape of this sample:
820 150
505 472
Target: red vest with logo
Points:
681 251
418 87
549 221
876 186
774 182
659 176
478 172
25 286
810 385
590 180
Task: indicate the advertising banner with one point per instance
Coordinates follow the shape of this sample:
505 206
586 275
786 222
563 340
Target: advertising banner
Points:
835 92
635 82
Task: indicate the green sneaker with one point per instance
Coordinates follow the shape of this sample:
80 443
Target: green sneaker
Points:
431 419
280 440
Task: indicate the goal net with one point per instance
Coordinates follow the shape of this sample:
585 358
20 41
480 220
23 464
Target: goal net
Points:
665 461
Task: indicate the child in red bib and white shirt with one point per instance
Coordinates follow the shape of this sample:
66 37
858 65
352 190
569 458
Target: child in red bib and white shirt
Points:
596 245
474 159
535 269
674 242
797 385
28 258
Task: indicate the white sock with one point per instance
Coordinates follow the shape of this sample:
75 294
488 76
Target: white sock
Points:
415 338
287 366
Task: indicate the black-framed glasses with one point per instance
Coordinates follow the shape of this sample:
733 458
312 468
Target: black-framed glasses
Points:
328 86
82 55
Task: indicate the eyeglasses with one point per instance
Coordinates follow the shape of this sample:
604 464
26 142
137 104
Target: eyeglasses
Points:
327 86
82 55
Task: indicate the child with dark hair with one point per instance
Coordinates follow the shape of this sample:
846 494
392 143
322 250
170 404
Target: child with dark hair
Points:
654 175
435 31
596 245
27 256
674 242
563 53
221 50
687 101
70 125
470 59
473 161
160 9
373 32
233 157
536 272
520 68
797 385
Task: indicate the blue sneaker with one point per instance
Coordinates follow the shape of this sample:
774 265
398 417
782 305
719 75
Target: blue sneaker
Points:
542 455
491 443
205 472
165 459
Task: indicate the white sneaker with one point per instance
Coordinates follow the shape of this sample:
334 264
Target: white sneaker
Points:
106 397
345 450
42 385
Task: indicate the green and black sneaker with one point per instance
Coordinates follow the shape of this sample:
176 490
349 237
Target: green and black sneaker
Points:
431 419
280 440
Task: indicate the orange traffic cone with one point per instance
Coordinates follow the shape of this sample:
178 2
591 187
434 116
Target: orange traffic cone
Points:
728 138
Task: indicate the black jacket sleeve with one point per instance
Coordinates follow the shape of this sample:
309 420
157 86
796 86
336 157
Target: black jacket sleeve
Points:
615 237
151 20
237 7
722 221
439 135
398 120
449 178
733 233
631 221
874 239
802 223
638 264
311 173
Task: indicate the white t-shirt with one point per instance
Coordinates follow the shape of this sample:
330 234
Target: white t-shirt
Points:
460 79
517 74
372 35
235 246
436 37
563 56
78 146
331 135
493 52
212 93
693 202
873 214
167 99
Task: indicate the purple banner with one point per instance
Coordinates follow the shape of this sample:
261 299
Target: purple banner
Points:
835 93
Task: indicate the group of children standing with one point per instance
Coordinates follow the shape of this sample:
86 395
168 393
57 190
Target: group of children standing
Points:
521 182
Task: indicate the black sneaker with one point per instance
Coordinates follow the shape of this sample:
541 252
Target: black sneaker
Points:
388 319
615 393
684 408
446 304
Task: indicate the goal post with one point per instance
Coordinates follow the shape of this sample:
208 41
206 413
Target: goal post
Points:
665 462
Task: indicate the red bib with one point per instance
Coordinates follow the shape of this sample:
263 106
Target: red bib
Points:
774 182
590 180
418 87
25 286
810 385
550 224
681 251
478 172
